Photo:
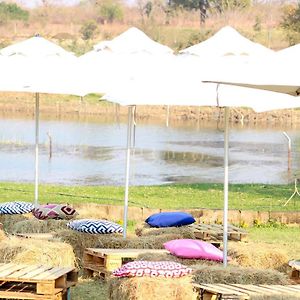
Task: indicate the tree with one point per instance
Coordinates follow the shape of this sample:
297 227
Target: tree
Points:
88 30
291 23
111 11
11 11
213 5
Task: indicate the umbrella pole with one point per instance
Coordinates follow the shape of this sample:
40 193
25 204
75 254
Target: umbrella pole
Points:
36 180
225 213
129 141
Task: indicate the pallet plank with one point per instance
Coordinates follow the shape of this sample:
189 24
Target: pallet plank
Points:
11 270
22 272
39 270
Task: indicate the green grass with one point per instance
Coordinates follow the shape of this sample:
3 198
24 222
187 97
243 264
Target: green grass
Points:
177 196
89 290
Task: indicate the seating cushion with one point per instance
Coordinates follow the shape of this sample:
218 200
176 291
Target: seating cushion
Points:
188 248
95 226
54 211
17 207
152 269
170 219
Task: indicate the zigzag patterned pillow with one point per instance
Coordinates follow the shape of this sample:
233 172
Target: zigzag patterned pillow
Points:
95 226
167 269
18 207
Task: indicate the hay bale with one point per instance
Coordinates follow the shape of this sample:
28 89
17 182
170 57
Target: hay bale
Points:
140 288
31 252
2 235
259 256
169 257
185 232
237 275
79 241
34 225
9 221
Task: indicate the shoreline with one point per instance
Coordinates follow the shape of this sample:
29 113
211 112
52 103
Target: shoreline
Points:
13 105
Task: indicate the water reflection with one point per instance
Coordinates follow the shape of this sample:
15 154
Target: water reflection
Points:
94 153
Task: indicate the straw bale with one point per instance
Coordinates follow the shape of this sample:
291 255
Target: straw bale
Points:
259 256
9 221
79 241
41 252
2 235
237 275
169 257
34 225
185 232
140 288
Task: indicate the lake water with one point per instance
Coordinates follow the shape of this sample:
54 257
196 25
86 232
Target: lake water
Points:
91 153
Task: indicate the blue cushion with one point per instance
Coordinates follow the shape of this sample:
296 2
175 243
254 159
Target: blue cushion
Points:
95 226
18 207
170 219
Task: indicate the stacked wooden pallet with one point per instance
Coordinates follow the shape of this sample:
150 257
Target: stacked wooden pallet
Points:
295 270
36 282
241 292
214 232
104 261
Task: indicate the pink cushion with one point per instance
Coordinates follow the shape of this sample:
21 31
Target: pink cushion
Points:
54 211
188 248
153 269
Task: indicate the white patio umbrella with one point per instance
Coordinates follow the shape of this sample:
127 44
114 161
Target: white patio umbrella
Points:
133 40
227 42
38 66
278 74
162 86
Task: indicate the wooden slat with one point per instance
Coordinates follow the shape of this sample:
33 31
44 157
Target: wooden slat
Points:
5 266
55 273
10 270
46 274
34 273
217 288
22 272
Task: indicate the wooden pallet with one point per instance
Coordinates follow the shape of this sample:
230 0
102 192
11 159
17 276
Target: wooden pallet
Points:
35 282
214 232
295 270
104 261
242 292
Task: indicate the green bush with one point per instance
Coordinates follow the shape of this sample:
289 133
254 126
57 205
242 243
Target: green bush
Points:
11 11
111 12
88 30
291 23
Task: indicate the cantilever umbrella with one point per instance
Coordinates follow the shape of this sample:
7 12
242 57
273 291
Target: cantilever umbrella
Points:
38 66
279 73
180 84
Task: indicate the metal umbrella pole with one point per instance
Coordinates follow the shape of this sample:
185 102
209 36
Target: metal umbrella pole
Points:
36 179
127 172
225 213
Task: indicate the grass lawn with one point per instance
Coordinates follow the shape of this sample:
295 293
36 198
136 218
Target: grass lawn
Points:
177 196
89 289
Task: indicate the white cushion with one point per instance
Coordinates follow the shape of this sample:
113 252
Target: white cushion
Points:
95 226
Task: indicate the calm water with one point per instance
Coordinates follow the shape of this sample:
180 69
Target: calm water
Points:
94 153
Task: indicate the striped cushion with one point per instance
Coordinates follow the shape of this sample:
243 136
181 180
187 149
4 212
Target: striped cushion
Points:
17 207
167 269
95 226
54 211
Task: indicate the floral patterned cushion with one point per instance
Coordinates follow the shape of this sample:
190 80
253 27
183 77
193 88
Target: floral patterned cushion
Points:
54 211
165 269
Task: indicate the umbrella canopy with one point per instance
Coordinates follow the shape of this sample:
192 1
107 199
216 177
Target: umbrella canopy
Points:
133 41
130 54
278 73
227 42
36 46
